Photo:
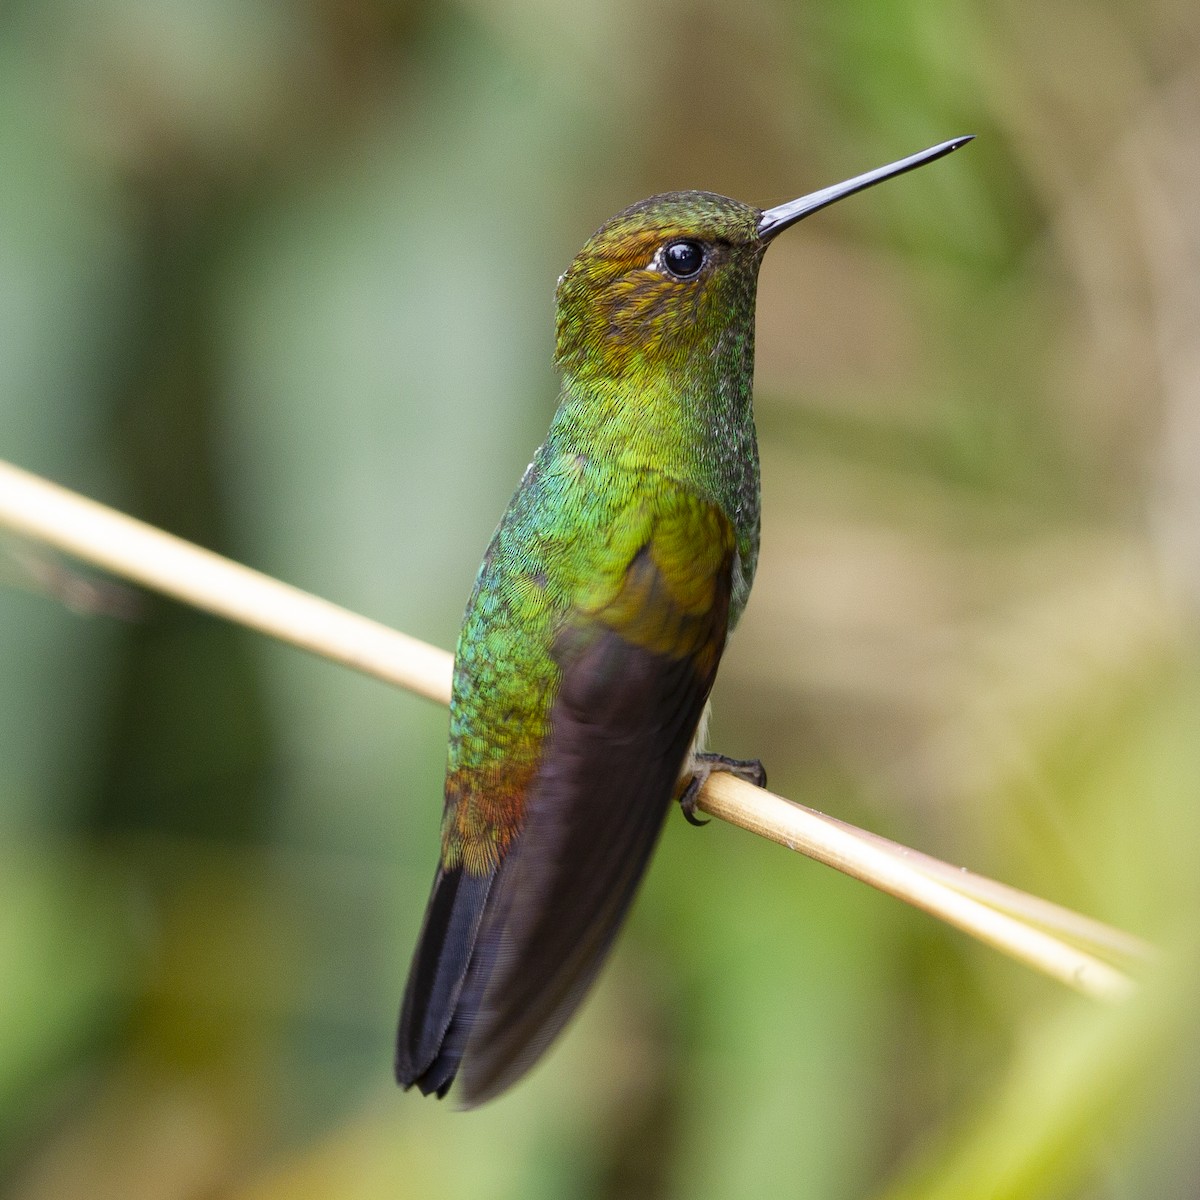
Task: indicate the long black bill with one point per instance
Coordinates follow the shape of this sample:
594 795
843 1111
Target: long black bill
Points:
777 219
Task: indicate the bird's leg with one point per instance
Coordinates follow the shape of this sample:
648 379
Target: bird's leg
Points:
703 765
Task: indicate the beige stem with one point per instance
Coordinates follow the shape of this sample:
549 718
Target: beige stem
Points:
1010 921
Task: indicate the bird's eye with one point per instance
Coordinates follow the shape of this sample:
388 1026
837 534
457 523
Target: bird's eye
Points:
684 259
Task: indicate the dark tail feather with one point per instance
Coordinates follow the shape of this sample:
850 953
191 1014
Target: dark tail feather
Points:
445 982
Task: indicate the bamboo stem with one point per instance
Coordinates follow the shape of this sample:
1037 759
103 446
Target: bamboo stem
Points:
1022 926
841 846
38 509
1115 944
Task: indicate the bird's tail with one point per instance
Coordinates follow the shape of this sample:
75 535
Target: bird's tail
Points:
453 960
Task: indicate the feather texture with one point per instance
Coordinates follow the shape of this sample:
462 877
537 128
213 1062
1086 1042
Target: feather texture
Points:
506 954
590 642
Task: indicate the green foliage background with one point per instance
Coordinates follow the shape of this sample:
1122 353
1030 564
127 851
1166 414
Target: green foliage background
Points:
278 275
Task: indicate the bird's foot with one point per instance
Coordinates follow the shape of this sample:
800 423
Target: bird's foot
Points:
703 765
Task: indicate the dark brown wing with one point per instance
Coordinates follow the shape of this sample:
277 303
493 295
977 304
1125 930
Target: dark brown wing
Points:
637 668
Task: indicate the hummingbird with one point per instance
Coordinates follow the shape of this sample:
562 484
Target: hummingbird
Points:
592 635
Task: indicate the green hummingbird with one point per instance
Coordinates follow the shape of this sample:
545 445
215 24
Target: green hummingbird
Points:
592 636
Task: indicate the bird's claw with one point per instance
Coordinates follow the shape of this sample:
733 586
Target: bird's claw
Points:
703 765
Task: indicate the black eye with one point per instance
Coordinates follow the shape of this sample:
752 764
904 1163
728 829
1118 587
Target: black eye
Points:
684 259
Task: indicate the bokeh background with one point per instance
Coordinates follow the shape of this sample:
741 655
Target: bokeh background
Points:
277 275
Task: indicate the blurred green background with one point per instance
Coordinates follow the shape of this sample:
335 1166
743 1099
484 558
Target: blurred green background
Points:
277 275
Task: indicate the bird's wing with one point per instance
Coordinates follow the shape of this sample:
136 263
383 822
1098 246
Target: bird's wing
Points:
638 654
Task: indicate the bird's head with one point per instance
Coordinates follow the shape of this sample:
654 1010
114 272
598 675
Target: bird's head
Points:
658 282
674 276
